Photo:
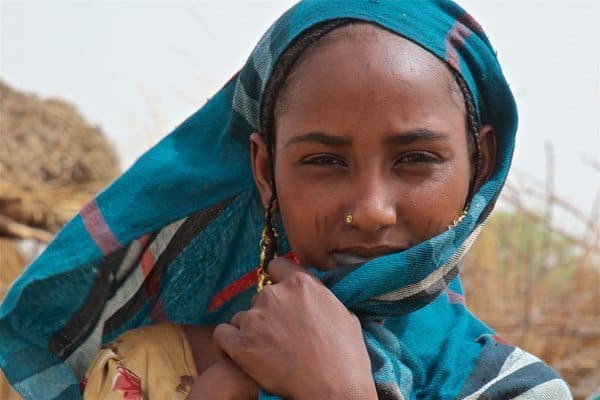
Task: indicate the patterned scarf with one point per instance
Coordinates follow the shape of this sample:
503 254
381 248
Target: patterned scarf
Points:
176 238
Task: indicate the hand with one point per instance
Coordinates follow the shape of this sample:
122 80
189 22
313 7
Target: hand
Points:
298 340
223 380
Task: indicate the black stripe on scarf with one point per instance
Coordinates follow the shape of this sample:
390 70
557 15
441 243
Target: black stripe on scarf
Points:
488 365
388 391
520 381
83 322
184 235
410 303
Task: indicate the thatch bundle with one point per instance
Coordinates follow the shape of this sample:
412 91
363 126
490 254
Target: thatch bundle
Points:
51 160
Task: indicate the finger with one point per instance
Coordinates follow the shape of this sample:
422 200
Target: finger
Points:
280 268
237 319
227 338
243 385
233 383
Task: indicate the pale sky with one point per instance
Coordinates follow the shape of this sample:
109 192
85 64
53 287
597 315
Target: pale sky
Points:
138 68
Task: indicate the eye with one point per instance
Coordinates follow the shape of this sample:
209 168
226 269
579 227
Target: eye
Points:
324 160
417 157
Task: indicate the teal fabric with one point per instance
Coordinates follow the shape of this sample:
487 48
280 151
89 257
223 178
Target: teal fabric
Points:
197 182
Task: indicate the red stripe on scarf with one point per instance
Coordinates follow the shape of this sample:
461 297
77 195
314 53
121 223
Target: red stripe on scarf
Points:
144 241
95 224
499 339
147 262
455 298
454 40
151 282
241 284
236 287
470 22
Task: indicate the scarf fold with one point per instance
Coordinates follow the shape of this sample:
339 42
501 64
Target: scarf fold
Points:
176 238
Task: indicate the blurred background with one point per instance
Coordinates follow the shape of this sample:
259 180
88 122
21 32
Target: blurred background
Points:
87 87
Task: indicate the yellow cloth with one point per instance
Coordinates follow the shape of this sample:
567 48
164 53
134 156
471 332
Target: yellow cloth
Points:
152 362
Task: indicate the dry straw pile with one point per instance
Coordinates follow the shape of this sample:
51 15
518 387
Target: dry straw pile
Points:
538 285
51 163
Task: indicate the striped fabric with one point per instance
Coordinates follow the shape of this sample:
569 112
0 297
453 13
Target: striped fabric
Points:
175 238
505 372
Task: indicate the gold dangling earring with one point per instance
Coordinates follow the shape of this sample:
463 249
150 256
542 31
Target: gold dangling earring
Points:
268 247
458 219
267 254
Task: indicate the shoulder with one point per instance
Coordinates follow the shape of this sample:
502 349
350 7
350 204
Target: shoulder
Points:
506 372
155 360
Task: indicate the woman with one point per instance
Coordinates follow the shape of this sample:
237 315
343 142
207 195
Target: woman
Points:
374 137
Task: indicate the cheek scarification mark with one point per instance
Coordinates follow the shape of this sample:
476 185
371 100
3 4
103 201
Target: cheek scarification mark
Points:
429 223
317 226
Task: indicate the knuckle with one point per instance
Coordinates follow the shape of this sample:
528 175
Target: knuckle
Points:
266 295
298 279
275 262
253 316
219 333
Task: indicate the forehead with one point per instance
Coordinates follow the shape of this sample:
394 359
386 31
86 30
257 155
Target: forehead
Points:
365 72
372 47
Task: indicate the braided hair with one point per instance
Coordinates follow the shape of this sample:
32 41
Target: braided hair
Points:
276 89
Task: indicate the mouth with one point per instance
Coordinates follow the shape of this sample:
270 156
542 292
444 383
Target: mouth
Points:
361 255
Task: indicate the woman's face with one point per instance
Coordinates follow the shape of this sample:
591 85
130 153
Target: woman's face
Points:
373 126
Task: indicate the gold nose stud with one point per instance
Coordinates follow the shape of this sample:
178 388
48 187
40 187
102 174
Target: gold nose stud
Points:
348 219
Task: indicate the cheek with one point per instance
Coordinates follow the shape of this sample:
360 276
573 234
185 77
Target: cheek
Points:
428 208
308 211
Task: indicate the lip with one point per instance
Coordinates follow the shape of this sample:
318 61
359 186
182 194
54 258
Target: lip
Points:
360 255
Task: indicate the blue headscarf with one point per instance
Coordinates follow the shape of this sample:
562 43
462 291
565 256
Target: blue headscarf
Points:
176 238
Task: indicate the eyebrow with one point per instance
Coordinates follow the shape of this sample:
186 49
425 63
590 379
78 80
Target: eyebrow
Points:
319 137
403 138
418 135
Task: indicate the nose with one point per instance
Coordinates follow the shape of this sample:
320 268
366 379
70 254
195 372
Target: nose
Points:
374 207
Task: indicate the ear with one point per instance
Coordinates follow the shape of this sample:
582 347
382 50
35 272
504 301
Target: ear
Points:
260 167
487 139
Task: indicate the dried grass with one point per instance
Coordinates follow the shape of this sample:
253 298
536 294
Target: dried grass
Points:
51 160
538 285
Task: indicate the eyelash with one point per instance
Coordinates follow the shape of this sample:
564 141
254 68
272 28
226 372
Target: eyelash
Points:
417 158
325 160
